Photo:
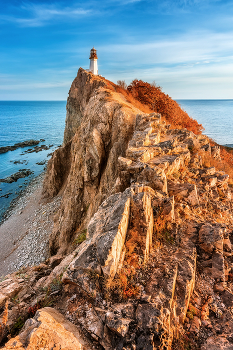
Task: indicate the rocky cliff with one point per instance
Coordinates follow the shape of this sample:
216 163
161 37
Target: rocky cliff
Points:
99 124
141 252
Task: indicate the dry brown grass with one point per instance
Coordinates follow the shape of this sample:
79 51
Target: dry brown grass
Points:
128 96
152 96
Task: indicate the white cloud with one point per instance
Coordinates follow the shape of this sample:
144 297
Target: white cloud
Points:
193 65
121 2
32 85
211 81
191 48
35 15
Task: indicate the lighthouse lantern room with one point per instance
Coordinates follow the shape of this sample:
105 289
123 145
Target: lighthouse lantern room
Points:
93 62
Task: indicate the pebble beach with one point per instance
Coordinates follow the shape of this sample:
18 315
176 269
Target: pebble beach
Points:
24 235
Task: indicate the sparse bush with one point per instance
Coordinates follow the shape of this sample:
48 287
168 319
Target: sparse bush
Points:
56 284
17 326
128 96
81 238
123 286
32 309
122 84
152 96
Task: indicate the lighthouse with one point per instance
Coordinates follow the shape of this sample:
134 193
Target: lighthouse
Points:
93 62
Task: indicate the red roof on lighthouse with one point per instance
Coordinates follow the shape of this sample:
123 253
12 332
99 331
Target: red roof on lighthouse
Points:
93 53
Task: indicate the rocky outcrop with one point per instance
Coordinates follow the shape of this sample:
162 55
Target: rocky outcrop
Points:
47 330
20 174
19 145
99 124
148 229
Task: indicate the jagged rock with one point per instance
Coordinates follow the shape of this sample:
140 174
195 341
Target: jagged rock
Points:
180 191
18 175
126 310
49 330
195 325
211 238
185 282
117 324
106 237
106 233
99 125
37 149
215 152
147 317
227 298
8 289
58 168
217 343
19 145
105 240
89 319
218 269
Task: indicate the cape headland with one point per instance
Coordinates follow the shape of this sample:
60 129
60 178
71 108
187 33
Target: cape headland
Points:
141 246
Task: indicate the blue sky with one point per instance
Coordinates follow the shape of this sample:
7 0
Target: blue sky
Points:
185 46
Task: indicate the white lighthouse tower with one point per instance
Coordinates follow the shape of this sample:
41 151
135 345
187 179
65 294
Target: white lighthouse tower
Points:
93 62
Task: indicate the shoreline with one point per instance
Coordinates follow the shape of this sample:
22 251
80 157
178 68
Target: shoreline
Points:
21 198
26 228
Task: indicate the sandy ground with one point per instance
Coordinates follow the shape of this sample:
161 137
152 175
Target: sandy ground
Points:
24 236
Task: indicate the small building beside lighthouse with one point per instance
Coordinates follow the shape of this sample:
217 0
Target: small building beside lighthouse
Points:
93 62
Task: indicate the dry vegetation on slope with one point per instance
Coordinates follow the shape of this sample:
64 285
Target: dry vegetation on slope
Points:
149 98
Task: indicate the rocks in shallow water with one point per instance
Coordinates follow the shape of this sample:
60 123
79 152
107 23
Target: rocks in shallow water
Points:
19 161
19 145
6 195
20 174
38 149
43 162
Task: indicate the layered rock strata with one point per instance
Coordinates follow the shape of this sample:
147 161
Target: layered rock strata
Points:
148 231
99 124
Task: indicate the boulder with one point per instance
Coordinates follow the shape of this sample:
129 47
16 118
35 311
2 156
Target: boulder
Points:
210 238
49 330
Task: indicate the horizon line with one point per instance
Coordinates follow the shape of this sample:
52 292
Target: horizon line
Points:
183 99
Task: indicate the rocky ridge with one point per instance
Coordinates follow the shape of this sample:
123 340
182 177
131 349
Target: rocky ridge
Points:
143 238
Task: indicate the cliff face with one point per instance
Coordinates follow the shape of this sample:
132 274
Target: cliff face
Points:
150 231
99 124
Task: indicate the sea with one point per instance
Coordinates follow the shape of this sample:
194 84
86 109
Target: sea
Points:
45 121
216 116
21 121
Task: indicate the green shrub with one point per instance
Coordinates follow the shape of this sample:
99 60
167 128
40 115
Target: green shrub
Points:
80 238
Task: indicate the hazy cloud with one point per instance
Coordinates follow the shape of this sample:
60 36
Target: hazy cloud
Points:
199 46
35 15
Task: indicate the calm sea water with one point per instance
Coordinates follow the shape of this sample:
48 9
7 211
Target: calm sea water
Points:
25 120
21 121
215 115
